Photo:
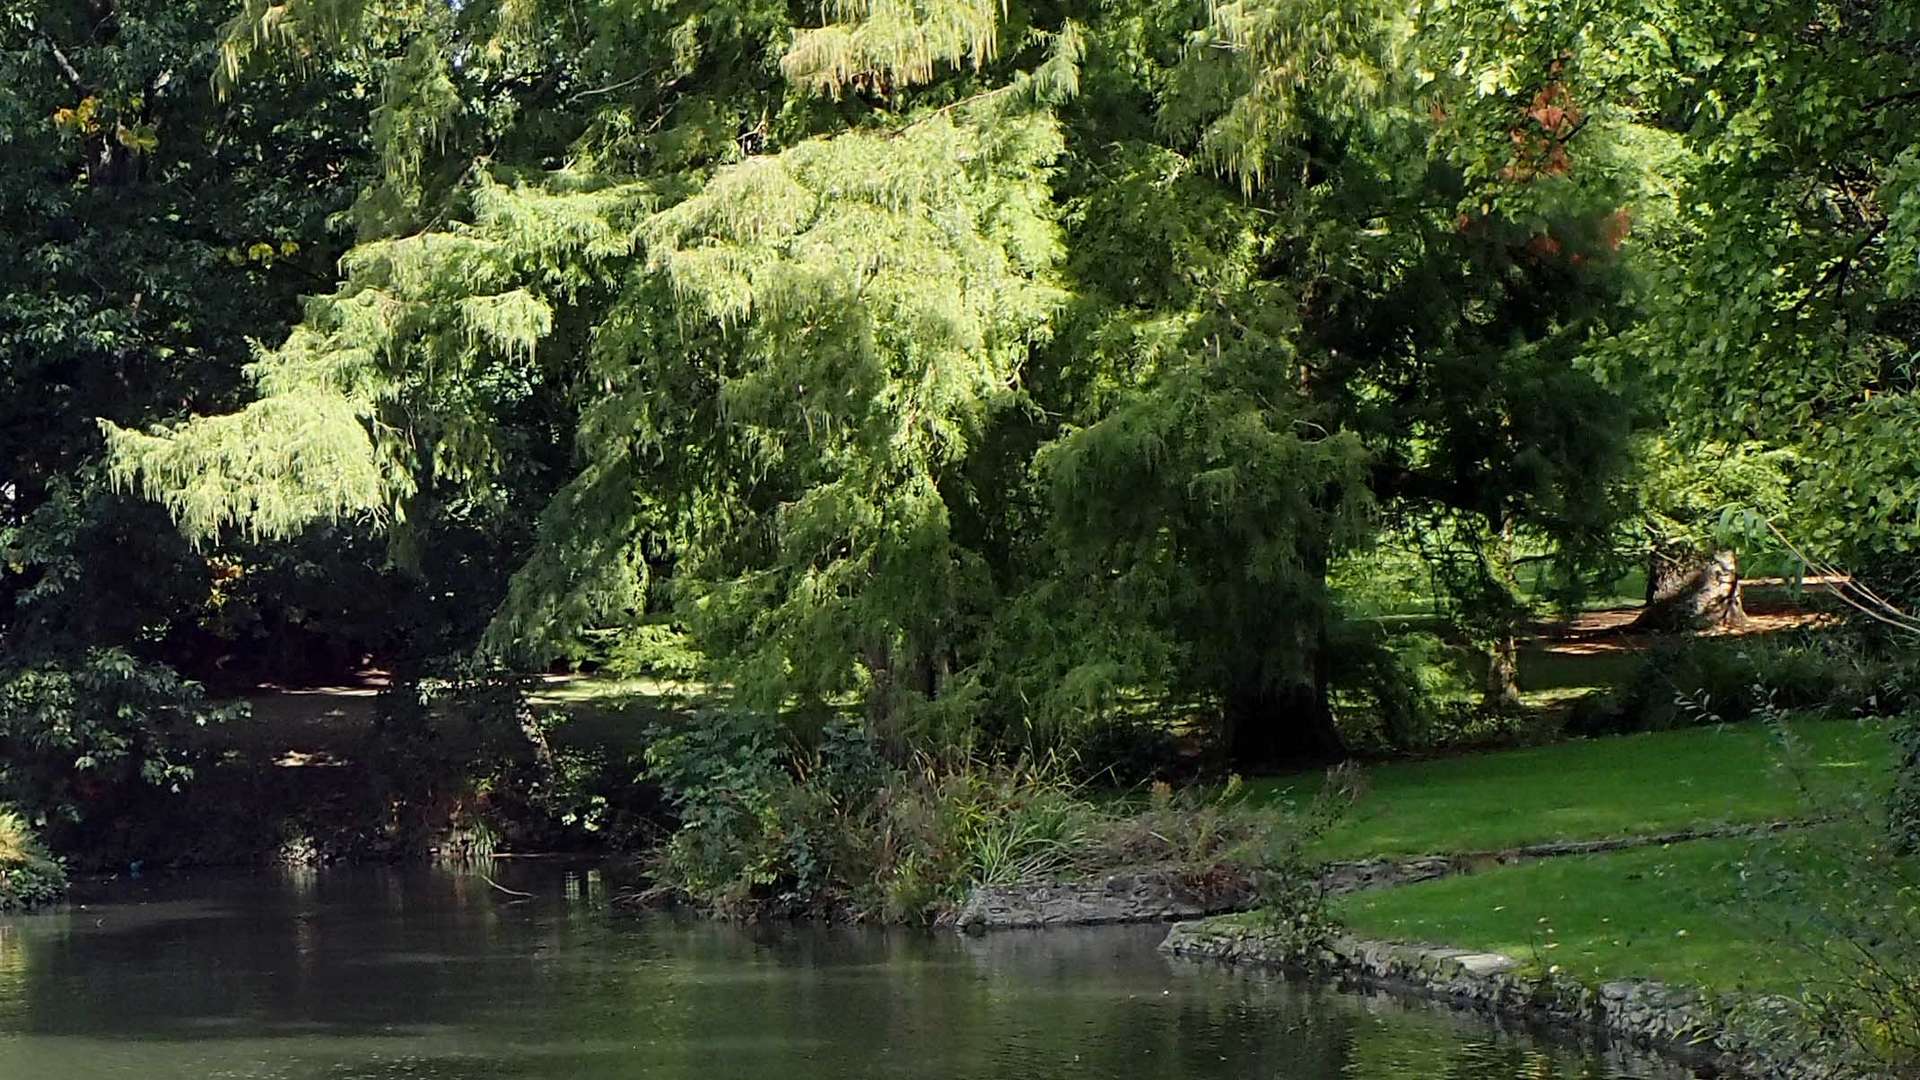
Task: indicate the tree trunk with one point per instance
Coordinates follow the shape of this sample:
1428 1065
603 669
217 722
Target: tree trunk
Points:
1270 724
1503 674
1503 658
882 698
1690 589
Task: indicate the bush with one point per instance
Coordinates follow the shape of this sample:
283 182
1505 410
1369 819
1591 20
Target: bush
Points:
835 828
654 649
1853 891
29 877
1401 691
80 738
1126 751
1716 680
1903 812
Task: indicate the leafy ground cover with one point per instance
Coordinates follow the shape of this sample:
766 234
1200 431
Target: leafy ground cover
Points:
1630 785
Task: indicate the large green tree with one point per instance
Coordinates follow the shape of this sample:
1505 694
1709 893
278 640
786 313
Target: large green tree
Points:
956 358
150 233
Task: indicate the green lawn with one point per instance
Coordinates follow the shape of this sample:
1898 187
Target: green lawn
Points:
1674 913
1630 785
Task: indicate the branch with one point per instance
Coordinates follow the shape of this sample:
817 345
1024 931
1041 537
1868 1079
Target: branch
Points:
951 106
1874 606
1839 270
66 66
621 85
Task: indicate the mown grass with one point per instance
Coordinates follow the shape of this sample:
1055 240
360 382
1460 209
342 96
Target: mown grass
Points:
1676 913
1629 785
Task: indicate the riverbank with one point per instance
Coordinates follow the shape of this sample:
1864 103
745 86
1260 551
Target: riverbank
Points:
1716 942
1682 1023
30 878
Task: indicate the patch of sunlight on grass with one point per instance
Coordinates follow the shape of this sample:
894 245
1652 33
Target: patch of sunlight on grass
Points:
1629 785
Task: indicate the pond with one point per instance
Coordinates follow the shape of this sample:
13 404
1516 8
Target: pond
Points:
357 975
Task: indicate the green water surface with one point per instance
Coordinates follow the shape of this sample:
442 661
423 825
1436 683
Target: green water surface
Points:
388 975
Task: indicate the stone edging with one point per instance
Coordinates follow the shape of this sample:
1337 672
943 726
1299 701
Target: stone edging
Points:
1154 894
1675 1021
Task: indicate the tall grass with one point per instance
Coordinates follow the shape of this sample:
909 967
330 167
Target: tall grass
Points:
29 877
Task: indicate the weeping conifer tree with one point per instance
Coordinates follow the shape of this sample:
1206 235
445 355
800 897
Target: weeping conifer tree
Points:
784 309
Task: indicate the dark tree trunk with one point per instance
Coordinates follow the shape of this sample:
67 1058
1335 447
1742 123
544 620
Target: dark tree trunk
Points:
1284 724
1690 589
882 696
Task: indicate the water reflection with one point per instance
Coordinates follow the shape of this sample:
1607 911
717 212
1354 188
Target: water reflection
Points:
430 974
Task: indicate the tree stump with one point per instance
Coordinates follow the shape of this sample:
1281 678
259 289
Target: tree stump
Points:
1690 589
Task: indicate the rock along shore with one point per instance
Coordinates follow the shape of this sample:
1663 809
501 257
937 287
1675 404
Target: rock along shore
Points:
1675 1021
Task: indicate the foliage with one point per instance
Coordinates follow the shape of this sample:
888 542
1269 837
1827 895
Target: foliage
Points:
1850 894
1290 872
77 736
1126 750
1713 495
437 738
1903 809
1017 378
989 366
835 828
29 877
1711 681
1400 691
1783 297
656 650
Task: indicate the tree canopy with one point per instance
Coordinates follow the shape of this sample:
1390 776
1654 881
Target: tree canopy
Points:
985 367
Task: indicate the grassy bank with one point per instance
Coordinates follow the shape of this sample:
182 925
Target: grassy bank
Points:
29 877
1631 785
1677 913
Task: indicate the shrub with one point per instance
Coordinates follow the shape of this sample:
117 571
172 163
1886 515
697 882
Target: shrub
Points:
1289 879
654 649
1903 811
1126 751
766 825
835 828
1401 691
1713 680
80 736
459 745
29 877
1853 891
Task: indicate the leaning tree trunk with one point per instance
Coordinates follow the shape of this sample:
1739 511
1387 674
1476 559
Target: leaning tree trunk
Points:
1691 589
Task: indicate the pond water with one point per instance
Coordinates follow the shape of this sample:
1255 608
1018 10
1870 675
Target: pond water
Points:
359 974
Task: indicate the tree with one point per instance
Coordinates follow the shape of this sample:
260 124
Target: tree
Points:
1699 509
1355 309
966 332
150 232
1782 311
